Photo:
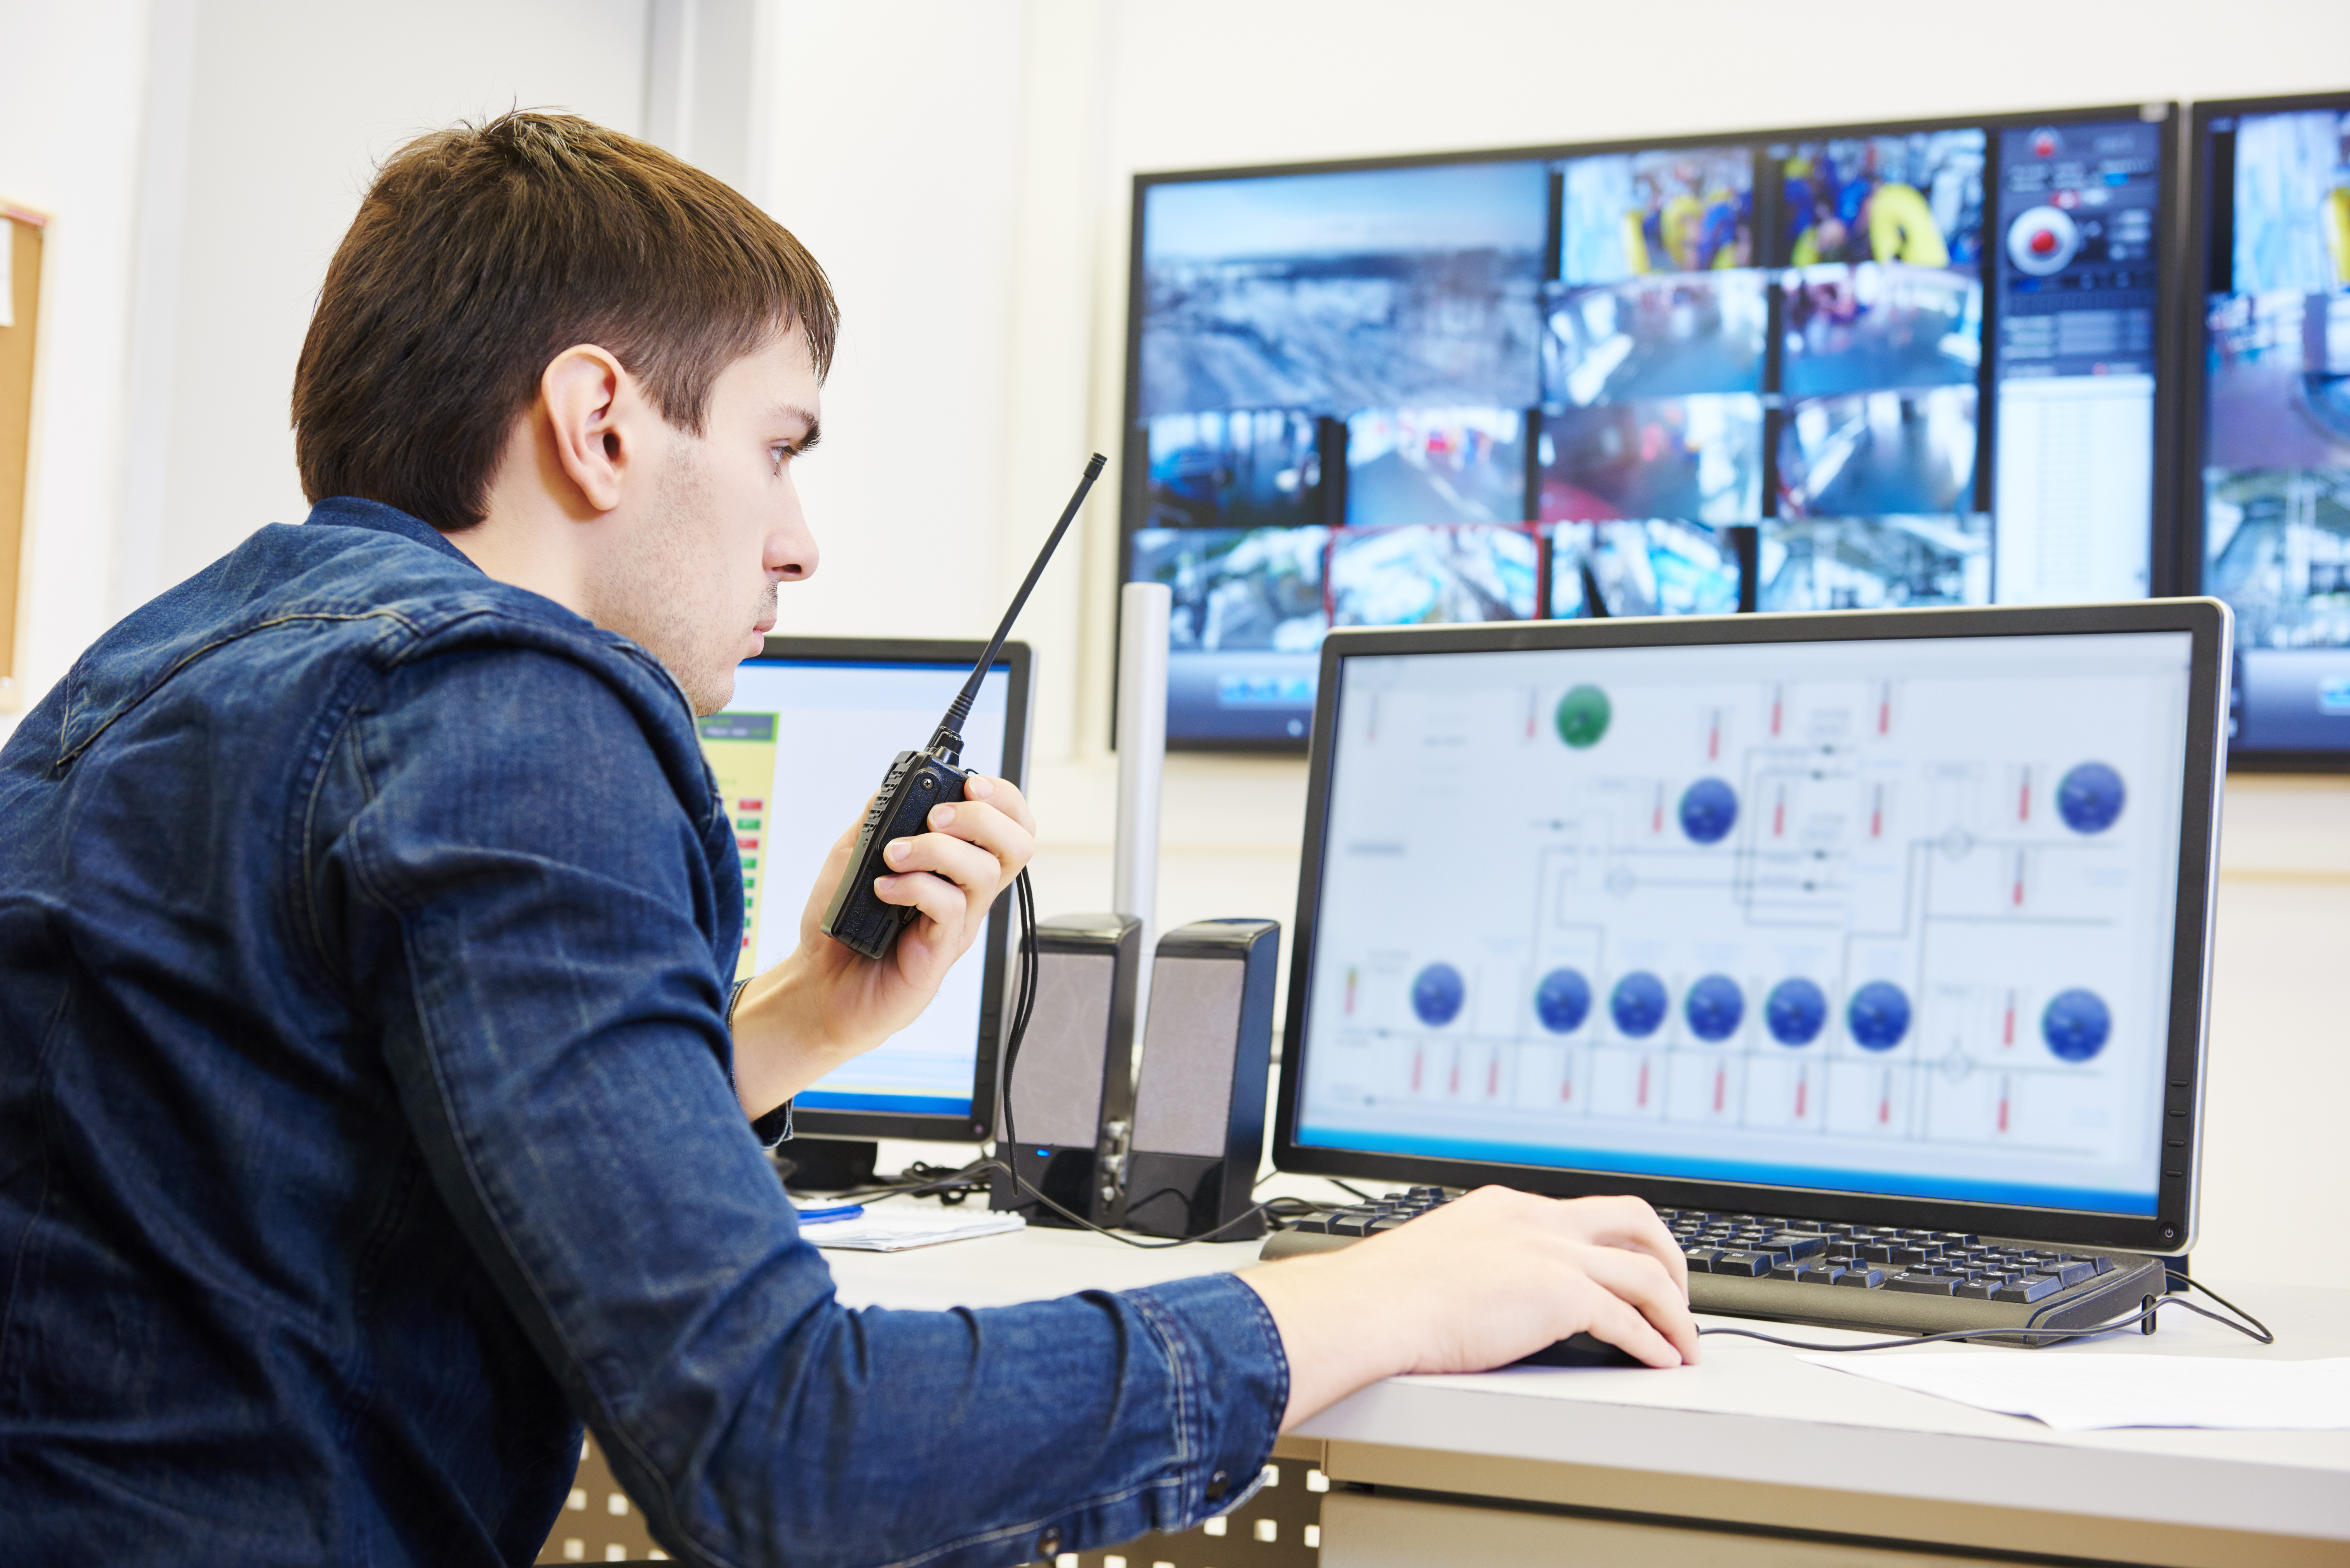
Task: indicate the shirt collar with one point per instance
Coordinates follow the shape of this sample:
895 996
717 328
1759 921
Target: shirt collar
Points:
350 512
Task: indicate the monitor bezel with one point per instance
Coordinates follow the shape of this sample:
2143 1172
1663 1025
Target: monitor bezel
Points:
1019 660
2194 266
2169 1231
2164 522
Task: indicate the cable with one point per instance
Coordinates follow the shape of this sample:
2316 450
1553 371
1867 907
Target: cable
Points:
2258 1331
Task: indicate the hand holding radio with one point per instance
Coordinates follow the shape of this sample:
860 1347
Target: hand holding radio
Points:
825 1004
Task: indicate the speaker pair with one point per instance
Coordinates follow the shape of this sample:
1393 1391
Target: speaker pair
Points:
1176 1154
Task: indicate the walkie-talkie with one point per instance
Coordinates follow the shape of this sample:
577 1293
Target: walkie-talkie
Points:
917 781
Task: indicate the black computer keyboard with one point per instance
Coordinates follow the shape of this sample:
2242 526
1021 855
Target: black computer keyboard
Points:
1843 1276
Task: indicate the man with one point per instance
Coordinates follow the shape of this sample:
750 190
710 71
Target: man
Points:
373 1107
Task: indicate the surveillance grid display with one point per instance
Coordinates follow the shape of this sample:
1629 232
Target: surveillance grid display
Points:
2275 481
1916 366
1746 914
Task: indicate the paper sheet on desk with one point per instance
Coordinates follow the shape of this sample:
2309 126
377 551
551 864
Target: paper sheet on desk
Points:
894 1229
2083 1393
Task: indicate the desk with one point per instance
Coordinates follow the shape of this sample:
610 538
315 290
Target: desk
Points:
1719 1463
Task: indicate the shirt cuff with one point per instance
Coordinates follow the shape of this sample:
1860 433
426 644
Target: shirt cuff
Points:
776 1126
1232 1387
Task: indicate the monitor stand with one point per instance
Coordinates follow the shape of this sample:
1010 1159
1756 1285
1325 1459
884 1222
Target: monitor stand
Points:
827 1164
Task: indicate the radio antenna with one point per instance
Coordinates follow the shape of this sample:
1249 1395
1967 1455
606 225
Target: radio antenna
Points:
950 735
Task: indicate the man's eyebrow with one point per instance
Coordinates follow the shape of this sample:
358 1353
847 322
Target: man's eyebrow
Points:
814 425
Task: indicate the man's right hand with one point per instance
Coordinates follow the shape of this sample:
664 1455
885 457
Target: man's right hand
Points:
1477 1283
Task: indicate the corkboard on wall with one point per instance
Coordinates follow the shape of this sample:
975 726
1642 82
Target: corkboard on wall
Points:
18 332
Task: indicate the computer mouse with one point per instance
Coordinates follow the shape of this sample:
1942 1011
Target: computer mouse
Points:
1580 1350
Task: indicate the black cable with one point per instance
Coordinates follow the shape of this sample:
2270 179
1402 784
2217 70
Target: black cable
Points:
2258 1331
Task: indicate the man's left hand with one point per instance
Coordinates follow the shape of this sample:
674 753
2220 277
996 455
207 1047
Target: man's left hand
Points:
824 1004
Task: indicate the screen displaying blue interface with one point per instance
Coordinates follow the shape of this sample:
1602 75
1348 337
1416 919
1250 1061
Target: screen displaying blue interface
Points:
2275 442
797 755
1774 372
1891 918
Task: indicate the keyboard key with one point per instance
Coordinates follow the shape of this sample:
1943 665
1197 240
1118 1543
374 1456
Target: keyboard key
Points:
1815 1274
1915 1257
1861 1278
1922 1284
2074 1273
1351 1224
1878 1253
1751 1265
1790 1272
2029 1288
1955 1238
1977 1290
1388 1223
1799 1245
1700 1259
2105 1265
1317 1224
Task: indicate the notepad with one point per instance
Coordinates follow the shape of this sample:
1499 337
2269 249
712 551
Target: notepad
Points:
2084 1393
891 1227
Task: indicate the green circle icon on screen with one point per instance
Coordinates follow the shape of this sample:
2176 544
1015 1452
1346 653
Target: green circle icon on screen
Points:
1583 715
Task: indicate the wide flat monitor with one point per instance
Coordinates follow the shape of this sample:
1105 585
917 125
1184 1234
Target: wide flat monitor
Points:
1900 918
798 754
2268 443
1846 368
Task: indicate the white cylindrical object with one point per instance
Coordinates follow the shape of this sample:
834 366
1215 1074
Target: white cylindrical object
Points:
1141 760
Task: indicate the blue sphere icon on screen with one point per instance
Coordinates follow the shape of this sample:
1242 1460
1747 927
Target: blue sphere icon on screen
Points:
2090 798
1878 1015
1637 1003
2076 1024
1709 810
1713 1007
1437 994
1795 1012
1563 1001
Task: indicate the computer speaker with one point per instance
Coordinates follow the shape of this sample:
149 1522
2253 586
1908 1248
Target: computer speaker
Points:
1072 1089
1199 1113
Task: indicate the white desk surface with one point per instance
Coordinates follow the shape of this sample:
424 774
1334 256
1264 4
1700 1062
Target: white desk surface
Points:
1751 1412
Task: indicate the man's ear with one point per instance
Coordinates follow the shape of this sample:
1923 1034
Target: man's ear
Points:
581 393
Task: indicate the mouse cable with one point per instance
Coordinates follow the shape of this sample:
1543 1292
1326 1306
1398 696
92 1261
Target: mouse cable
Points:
2257 1331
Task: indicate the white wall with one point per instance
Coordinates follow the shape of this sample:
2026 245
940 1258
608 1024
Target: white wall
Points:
950 227
203 158
70 130
288 108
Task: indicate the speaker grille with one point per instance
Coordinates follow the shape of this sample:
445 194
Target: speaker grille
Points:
1058 1085
1183 1103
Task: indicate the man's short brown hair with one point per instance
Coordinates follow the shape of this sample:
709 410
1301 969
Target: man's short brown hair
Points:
483 252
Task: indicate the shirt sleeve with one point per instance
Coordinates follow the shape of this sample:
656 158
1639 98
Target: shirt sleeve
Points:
528 928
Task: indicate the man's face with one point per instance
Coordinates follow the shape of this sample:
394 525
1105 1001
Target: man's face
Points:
692 577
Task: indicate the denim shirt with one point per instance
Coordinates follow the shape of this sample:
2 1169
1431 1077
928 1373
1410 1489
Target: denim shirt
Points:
366 1122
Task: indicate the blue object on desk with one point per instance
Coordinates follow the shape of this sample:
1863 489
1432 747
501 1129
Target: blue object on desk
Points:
838 1212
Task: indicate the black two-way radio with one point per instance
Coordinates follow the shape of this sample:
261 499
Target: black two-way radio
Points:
917 781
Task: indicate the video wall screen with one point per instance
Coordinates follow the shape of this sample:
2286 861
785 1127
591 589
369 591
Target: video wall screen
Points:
2271 224
1913 364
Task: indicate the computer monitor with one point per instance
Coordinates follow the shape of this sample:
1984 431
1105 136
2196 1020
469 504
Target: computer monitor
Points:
798 754
1846 368
2268 491
1894 917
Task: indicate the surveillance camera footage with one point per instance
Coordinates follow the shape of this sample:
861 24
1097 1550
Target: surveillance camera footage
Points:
1656 565
1873 563
1571 383
2276 423
1432 573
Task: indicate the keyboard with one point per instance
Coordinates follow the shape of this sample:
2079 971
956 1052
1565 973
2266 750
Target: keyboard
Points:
1867 1277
